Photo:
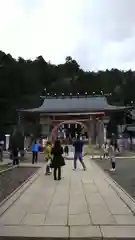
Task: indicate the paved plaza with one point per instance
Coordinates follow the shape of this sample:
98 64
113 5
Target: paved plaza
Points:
82 205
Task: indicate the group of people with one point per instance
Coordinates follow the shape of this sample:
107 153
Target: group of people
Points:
53 155
109 152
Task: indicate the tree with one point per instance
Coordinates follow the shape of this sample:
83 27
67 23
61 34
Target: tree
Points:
22 81
72 65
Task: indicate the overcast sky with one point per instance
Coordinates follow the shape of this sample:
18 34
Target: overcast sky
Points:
99 34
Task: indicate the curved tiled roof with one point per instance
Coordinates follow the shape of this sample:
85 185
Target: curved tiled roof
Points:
75 104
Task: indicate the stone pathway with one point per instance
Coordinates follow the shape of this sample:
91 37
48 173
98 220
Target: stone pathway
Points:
81 205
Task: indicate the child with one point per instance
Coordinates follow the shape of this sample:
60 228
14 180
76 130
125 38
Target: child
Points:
111 151
48 158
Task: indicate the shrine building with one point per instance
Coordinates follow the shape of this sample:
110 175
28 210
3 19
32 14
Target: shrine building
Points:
91 112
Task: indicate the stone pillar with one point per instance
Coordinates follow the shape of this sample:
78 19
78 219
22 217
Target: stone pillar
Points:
45 129
105 131
45 123
100 132
92 130
88 130
54 131
27 142
7 141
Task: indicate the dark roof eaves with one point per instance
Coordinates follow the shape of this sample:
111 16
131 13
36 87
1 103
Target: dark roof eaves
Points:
110 108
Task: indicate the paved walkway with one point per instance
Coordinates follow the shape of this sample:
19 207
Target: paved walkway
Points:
81 205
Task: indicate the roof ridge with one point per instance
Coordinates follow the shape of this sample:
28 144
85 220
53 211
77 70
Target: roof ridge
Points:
73 96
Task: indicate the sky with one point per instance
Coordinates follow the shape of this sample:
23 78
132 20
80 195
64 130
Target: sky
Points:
98 34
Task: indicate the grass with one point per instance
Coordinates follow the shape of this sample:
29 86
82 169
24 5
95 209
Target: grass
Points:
3 167
91 150
126 153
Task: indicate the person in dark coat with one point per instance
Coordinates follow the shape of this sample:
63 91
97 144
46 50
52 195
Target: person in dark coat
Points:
58 160
66 150
15 156
14 151
116 146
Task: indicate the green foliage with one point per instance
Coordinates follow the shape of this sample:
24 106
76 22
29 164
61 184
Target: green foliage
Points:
23 81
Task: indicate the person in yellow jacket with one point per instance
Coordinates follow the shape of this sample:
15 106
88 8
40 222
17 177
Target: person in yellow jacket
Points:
48 157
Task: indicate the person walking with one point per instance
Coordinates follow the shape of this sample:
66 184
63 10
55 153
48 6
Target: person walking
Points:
111 152
48 157
14 148
116 146
58 160
78 145
15 156
34 152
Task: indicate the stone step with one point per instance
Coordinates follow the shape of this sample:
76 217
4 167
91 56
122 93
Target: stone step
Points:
60 232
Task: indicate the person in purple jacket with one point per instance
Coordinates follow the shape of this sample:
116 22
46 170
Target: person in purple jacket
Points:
78 145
